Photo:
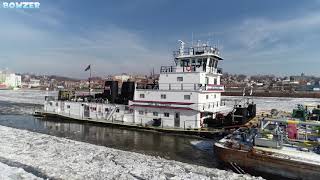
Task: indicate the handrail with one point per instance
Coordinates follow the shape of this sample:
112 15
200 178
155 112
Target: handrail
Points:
181 86
196 51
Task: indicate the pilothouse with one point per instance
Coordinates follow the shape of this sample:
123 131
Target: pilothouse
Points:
186 93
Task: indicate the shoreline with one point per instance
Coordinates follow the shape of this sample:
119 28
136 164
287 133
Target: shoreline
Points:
301 94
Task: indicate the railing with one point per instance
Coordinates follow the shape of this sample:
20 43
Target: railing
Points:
181 86
147 86
167 69
198 50
212 87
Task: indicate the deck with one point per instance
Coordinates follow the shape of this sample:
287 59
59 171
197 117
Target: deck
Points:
202 132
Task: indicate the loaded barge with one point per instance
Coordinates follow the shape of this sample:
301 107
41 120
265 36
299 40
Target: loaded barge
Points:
186 98
282 146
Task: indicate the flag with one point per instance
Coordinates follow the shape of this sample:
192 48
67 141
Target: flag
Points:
89 67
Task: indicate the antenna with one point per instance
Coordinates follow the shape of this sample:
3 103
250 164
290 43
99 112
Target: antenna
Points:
192 38
181 47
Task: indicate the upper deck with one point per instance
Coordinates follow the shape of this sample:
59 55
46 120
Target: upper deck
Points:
197 51
200 59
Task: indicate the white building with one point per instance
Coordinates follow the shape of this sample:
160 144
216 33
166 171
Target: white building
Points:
13 80
10 80
34 83
122 77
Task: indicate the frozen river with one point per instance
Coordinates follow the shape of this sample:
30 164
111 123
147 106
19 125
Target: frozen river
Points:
15 110
60 158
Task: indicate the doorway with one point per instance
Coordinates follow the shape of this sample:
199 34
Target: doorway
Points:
177 119
86 111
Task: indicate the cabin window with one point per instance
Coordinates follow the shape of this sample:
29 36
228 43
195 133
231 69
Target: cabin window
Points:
163 96
211 63
199 62
155 113
215 81
106 109
180 79
207 96
215 96
204 65
50 103
185 62
181 63
142 96
68 106
57 104
126 108
215 64
141 112
187 97
166 114
217 104
118 110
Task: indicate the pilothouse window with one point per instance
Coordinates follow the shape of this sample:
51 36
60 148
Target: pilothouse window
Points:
179 78
186 97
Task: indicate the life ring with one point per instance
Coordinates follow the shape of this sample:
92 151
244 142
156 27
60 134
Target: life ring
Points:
188 68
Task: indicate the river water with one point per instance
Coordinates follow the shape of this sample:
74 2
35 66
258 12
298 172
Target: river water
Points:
16 108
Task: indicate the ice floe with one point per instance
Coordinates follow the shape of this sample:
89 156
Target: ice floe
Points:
25 96
14 173
67 159
267 103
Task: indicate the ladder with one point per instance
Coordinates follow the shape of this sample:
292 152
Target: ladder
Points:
112 112
237 168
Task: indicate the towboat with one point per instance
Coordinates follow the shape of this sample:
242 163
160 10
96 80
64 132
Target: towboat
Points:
187 96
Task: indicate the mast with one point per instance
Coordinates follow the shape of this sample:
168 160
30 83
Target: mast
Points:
90 82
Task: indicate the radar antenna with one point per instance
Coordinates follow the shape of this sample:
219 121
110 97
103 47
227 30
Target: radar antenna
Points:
181 47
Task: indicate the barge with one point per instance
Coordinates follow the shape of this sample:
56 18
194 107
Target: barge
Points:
278 147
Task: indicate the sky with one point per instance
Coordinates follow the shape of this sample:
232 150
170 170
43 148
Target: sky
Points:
134 36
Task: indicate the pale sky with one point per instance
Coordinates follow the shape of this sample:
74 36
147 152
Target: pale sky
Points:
133 36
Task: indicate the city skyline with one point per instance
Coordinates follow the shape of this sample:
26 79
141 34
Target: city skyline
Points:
63 37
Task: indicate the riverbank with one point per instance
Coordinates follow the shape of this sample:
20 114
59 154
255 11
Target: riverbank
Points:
60 158
298 94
